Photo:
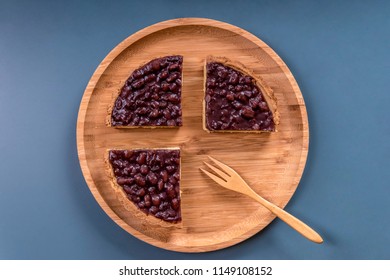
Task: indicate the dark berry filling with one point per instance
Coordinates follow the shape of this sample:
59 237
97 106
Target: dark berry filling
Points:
152 95
234 101
151 180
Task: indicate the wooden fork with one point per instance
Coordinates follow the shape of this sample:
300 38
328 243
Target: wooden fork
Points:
228 178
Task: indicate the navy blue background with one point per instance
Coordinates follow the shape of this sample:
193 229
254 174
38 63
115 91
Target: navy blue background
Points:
338 52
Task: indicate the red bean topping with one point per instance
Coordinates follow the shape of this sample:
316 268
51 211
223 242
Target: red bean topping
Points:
127 154
167 160
238 88
228 90
173 98
242 97
152 178
135 198
170 169
164 74
175 203
141 159
163 195
229 96
247 112
144 169
156 200
144 177
140 180
254 103
155 65
256 126
118 104
233 79
174 66
138 83
153 210
142 111
237 105
174 88
171 122
163 206
138 73
125 181
150 78
172 77
154 114
210 93
170 190
163 104
172 180
142 99
164 175
127 189
222 73
165 86
141 192
211 83
160 185
171 212
263 106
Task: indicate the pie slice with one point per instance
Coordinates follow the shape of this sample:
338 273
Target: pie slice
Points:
151 96
236 100
150 178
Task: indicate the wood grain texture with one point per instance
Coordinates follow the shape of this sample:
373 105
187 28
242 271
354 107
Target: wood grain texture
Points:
271 163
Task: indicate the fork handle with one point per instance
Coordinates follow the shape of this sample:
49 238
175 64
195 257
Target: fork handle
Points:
292 221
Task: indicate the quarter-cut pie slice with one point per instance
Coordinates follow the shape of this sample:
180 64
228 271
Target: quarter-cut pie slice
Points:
150 178
151 96
236 100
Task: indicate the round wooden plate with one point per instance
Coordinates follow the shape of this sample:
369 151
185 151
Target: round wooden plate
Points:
272 164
